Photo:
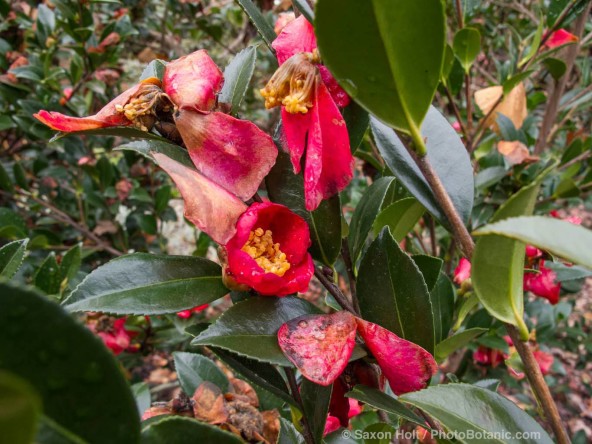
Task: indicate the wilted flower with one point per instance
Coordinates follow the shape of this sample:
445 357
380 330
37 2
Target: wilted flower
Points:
310 97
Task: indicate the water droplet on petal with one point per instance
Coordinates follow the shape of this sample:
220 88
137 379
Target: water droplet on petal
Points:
349 86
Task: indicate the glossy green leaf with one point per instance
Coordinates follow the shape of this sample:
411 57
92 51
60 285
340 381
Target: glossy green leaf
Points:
147 147
287 188
20 409
357 120
498 262
400 216
155 68
11 224
467 409
558 237
47 277
20 177
442 297
381 40
5 182
144 283
392 292
263 27
193 369
304 7
384 402
515 80
260 374
249 328
535 44
182 430
70 264
466 307
289 434
11 258
556 67
448 157
365 214
315 402
237 76
448 63
466 46
456 342
64 362
141 391
129 132
430 268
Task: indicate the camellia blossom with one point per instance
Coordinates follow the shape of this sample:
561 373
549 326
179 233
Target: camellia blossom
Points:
543 284
310 99
320 346
559 38
186 314
233 153
463 271
269 251
117 338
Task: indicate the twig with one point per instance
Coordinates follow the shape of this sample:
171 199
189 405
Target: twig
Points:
459 14
585 155
469 101
433 240
349 267
456 111
296 395
335 292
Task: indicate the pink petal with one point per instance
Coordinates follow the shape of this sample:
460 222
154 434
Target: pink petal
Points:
319 345
234 153
193 81
211 208
106 117
545 361
295 128
297 36
463 271
559 38
329 162
331 425
338 94
543 284
406 366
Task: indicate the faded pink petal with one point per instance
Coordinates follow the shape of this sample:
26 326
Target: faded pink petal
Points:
234 153
338 94
297 36
295 128
319 345
210 207
106 117
463 271
329 162
406 366
193 81
559 38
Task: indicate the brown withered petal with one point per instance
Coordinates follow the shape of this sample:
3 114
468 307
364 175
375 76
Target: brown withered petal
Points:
245 418
515 152
244 388
271 425
209 405
513 106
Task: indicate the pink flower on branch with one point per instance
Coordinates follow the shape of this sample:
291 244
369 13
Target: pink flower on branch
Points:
312 123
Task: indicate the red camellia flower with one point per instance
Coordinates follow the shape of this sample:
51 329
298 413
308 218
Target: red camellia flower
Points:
310 97
463 271
543 284
118 339
233 153
269 251
559 38
186 314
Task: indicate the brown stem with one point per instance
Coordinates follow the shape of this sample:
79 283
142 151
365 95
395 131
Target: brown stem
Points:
459 14
433 240
469 106
456 112
335 292
538 384
296 395
553 103
349 266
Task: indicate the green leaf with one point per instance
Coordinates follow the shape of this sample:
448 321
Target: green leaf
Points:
442 297
237 76
466 307
181 430
289 434
11 224
466 46
260 374
147 147
304 8
384 402
70 264
393 294
448 157
148 284
430 268
263 27
556 67
287 188
47 277
155 68
20 409
315 402
141 391
65 362
5 182
129 132
400 216
20 177
467 409
498 262
456 342
535 44
193 369
515 80
365 214
11 258
381 40
556 236
249 328
357 120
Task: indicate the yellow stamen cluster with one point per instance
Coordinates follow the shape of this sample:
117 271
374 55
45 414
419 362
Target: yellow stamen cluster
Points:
142 108
293 85
268 255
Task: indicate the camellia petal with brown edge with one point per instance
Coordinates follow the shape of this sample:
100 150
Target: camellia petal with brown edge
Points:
513 106
319 345
193 81
234 153
207 205
406 366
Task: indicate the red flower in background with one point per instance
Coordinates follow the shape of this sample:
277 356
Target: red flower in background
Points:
117 338
559 38
310 97
463 271
269 251
543 284
186 314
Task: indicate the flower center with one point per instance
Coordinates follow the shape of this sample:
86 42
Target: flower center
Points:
143 106
294 83
268 255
